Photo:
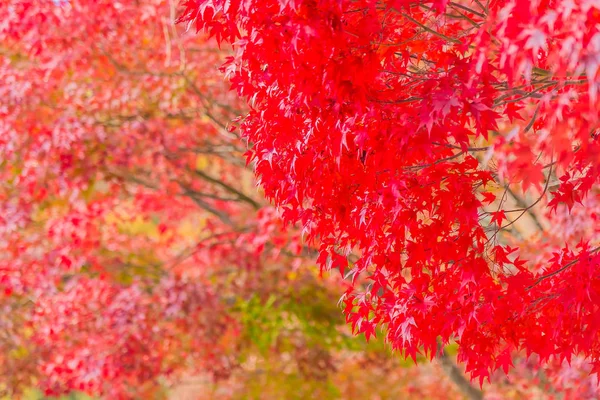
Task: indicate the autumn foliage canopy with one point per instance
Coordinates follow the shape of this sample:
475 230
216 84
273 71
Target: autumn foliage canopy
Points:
442 156
413 141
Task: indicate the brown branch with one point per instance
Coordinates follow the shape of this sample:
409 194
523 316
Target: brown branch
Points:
191 192
524 95
456 375
207 207
484 8
530 124
558 271
420 166
452 146
228 188
521 203
528 208
428 29
467 9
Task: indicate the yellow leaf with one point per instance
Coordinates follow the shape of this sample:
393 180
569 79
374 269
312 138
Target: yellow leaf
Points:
19 353
201 162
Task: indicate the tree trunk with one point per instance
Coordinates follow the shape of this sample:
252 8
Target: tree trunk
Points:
457 377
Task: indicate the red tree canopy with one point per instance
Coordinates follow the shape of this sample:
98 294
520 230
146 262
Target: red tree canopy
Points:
412 140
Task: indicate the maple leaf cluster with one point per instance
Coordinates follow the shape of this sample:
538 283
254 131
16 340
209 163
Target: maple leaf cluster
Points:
412 141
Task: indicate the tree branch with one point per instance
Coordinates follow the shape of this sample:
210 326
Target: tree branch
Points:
456 375
558 271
